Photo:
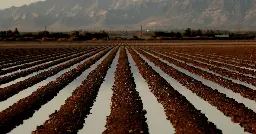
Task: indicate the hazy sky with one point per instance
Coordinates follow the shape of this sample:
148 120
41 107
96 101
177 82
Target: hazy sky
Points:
9 3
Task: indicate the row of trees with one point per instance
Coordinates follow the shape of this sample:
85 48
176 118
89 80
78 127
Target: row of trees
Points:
45 35
189 33
82 35
206 34
10 33
89 36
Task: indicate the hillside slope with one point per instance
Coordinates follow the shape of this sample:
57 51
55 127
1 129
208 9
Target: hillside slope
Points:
130 14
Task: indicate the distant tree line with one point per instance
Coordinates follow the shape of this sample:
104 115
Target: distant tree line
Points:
46 35
9 33
90 36
206 34
80 35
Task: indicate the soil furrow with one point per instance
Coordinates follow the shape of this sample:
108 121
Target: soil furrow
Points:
37 53
27 65
13 55
232 60
237 88
6 79
127 114
70 118
182 114
218 63
237 111
37 58
11 90
26 107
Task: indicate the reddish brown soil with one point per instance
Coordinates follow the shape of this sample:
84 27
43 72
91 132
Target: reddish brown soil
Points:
127 114
70 118
11 117
237 111
238 88
176 105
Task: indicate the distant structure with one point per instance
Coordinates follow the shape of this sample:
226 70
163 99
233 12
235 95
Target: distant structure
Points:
141 31
45 31
222 36
16 32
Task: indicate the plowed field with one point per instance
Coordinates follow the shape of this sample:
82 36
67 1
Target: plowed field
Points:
128 88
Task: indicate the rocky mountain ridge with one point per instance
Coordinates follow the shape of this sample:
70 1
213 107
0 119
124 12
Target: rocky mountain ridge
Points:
130 14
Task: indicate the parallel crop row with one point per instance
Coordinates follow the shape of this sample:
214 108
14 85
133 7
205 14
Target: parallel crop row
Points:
219 63
36 59
224 58
70 117
127 114
183 115
237 111
238 88
233 61
223 61
221 71
12 53
27 65
6 79
12 60
25 108
248 59
235 53
13 89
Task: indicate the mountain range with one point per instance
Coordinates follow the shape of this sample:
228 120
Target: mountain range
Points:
61 15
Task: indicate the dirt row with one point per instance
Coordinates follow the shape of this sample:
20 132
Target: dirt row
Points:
240 64
223 55
234 62
239 53
13 89
26 107
127 114
70 118
235 87
184 117
238 112
11 54
215 62
36 62
221 71
31 60
14 60
11 77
